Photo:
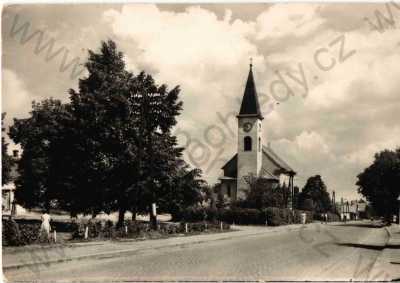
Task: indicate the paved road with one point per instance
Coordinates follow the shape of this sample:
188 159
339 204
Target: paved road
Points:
319 252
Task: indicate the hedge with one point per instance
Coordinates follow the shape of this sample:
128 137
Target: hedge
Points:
137 229
242 216
195 214
273 216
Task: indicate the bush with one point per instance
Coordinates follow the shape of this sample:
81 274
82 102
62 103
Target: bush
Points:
11 235
242 216
22 232
282 216
96 228
78 230
170 228
194 214
30 233
137 228
273 216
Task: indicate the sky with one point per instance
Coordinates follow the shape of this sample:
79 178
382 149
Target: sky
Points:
327 75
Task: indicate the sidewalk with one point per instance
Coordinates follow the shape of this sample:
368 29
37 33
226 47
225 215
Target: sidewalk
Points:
14 258
392 252
387 266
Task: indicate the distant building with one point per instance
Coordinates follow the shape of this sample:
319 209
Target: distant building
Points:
9 206
353 210
252 157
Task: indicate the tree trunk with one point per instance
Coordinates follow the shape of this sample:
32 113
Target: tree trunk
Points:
153 220
133 214
121 217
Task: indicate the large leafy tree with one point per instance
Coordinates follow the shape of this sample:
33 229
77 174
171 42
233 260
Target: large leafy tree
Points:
186 189
379 182
42 138
6 159
106 137
128 120
315 190
156 109
264 194
110 148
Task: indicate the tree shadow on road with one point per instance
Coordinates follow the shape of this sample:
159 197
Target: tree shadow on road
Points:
361 225
361 246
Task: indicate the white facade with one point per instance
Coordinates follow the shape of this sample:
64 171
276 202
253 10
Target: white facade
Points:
249 160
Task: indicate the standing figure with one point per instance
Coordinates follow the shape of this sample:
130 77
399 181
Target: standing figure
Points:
45 227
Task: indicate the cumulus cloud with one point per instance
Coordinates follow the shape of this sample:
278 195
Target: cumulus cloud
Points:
16 99
283 20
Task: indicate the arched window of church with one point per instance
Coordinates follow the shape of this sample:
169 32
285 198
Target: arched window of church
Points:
259 144
247 143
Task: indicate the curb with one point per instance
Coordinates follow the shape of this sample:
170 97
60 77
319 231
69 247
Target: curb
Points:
136 250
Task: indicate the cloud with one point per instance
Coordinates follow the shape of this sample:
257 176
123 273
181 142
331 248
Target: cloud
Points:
17 101
284 20
207 56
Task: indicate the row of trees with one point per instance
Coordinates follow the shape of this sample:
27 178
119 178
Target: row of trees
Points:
109 148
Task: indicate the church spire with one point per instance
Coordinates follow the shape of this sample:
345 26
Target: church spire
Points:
250 106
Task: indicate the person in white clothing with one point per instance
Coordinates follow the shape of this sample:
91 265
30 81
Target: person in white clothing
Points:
45 227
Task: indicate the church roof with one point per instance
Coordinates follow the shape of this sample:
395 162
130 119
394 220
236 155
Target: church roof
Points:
267 150
250 105
279 165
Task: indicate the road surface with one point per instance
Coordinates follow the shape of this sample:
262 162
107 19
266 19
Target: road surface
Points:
318 252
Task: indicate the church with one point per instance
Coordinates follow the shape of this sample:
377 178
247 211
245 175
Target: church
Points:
253 157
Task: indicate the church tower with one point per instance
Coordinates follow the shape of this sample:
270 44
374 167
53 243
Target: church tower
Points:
250 141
